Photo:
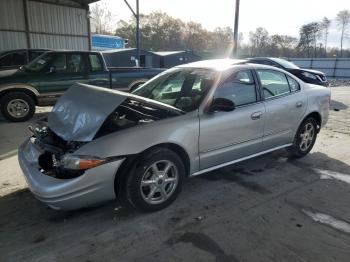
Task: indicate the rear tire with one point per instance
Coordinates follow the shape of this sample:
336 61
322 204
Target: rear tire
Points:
305 138
17 106
156 180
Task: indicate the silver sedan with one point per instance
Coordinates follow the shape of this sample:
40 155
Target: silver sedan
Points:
99 144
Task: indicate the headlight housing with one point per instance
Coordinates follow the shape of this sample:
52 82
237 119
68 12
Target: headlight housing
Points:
77 162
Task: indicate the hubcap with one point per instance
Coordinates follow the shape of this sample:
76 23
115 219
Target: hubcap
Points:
306 136
18 108
159 182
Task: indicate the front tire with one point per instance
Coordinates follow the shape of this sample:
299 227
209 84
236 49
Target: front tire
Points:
17 107
156 180
305 138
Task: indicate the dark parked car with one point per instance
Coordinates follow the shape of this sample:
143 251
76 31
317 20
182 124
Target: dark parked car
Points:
48 76
307 75
13 59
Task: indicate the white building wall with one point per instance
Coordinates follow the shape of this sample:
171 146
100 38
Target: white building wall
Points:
12 18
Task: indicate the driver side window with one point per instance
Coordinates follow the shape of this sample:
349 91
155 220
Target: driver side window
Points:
239 88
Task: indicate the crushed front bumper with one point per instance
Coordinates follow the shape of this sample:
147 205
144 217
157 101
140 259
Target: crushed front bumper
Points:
94 186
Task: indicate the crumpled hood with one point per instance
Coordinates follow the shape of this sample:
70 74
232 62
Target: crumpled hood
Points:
81 110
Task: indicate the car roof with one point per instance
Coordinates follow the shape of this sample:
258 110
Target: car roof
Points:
268 58
225 64
216 64
24 49
72 51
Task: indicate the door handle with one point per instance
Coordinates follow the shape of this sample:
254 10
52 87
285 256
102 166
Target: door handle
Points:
299 104
256 115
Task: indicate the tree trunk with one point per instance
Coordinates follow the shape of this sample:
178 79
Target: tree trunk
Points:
325 44
341 41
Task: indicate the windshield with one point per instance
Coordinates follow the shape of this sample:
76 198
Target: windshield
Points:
183 88
39 63
285 63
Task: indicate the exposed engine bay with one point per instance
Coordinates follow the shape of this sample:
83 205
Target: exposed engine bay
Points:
128 114
131 113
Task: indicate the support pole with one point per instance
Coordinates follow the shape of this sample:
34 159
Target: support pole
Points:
235 32
26 23
138 32
137 17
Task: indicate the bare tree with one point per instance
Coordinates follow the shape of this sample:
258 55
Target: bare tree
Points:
343 21
284 43
101 19
259 40
325 24
308 37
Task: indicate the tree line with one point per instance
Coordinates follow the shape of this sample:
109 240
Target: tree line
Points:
161 32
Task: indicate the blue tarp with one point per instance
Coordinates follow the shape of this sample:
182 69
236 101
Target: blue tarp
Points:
105 42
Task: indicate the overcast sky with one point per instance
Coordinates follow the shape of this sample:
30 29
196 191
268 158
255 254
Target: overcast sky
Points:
277 16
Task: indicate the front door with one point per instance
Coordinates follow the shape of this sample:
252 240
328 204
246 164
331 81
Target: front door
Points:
285 106
227 136
97 76
62 72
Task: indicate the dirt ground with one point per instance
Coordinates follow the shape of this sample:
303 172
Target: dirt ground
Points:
265 209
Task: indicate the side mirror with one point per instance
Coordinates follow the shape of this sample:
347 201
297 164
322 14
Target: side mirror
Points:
52 69
222 104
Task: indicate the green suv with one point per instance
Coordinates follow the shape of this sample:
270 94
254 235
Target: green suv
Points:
43 80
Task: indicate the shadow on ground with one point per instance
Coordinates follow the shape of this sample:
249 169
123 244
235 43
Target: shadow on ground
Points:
21 212
30 226
336 105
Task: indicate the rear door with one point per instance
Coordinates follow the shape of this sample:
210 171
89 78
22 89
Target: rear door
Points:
227 136
285 105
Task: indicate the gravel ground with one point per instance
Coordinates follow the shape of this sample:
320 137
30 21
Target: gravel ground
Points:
339 82
265 209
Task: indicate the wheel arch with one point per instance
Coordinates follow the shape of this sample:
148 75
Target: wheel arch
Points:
31 91
133 85
129 163
315 115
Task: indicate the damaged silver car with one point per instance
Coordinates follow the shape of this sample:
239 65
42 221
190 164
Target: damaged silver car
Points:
99 144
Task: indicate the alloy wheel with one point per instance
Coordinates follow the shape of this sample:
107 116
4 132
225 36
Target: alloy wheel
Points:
306 137
159 182
18 108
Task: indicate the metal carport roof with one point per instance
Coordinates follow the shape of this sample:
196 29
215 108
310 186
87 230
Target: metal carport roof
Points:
85 1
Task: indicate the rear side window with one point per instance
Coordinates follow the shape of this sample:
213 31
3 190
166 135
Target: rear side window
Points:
19 58
239 88
294 85
6 60
95 63
273 83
